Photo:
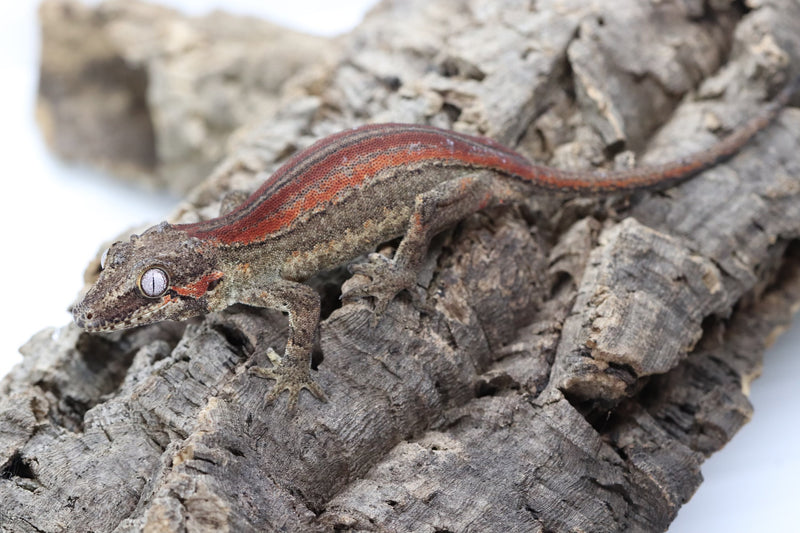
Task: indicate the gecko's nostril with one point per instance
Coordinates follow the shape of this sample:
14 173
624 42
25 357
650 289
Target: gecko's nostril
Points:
89 316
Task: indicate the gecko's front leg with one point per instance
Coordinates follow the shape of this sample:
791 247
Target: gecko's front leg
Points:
292 371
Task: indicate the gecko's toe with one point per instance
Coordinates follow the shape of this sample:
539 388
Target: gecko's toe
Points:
386 279
288 378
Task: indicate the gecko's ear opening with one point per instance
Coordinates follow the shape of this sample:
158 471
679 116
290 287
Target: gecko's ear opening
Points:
214 283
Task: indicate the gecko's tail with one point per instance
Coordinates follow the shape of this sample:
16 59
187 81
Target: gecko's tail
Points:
673 172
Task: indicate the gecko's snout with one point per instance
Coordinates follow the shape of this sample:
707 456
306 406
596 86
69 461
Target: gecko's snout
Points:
86 319
81 316
78 318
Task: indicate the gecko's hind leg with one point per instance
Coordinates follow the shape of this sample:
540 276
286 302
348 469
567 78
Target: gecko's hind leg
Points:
434 211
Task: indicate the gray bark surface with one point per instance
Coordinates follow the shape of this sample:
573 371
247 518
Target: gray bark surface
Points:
582 357
146 93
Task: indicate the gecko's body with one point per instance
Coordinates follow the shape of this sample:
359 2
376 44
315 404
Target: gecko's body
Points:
331 203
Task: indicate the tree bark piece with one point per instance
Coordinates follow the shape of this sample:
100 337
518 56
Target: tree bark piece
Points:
582 356
150 94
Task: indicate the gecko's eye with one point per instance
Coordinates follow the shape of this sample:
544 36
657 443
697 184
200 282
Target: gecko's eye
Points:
153 282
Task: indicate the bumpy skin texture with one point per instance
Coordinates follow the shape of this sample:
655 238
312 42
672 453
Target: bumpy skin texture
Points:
331 203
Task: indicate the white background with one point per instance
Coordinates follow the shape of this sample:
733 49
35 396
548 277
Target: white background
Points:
54 217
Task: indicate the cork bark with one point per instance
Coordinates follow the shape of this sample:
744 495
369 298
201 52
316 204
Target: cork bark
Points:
579 357
150 95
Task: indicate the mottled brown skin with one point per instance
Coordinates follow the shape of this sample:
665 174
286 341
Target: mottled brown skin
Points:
331 203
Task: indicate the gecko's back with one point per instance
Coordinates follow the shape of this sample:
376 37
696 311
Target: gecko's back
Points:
368 177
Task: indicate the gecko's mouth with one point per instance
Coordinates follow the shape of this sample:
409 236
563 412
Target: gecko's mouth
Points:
90 321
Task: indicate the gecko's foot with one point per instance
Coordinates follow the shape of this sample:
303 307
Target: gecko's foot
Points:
387 278
287 377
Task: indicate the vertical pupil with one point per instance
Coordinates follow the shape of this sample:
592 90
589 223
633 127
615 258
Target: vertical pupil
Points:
153 282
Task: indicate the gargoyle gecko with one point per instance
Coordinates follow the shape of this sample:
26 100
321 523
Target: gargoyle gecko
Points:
331 203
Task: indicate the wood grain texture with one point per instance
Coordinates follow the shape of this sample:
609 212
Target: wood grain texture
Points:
581 359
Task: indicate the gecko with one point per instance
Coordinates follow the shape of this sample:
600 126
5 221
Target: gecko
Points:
332 203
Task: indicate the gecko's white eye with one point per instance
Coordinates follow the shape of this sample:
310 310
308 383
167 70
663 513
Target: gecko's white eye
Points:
103 259
153 282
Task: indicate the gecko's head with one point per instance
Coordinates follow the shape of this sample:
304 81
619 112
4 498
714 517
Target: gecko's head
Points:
160 275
